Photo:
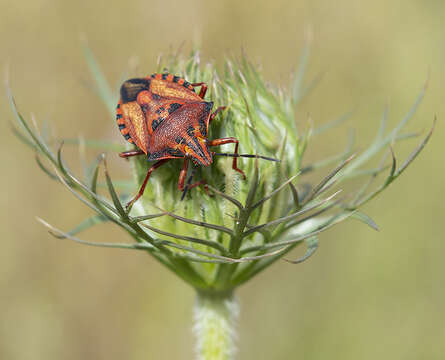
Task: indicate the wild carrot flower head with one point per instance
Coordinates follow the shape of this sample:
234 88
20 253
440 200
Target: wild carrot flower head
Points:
218 239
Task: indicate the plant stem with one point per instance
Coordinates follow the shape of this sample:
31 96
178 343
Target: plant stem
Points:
215 317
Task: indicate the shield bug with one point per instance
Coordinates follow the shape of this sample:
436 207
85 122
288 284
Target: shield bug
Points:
166 119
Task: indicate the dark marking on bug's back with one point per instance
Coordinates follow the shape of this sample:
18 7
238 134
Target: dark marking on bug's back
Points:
165 152
121 126
202 126
191 131
131 88
160 110
156 122
174 152
209 105
118 116
202 121
154 156
173 107
176 78
180 140
164 76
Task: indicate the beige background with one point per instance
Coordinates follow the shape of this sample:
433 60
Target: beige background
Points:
365 295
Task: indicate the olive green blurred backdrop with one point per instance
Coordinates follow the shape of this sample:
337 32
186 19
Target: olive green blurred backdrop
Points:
365 295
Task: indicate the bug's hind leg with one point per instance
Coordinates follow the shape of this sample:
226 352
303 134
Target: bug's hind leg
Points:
203 90
144 184
230 140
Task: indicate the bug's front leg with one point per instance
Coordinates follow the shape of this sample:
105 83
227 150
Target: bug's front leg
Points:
203 90
144 184
229 140
212 116
185 187
183 174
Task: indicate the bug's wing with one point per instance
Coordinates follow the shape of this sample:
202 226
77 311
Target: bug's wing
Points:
132 124
168 85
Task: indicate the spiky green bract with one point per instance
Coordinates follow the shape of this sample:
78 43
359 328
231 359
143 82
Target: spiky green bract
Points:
218 240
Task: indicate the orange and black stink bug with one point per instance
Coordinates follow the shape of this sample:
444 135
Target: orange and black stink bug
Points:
163 116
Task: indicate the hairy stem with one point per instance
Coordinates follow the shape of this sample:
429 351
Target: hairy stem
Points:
215 317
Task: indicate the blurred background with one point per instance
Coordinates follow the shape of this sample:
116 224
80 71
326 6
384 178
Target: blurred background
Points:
364 295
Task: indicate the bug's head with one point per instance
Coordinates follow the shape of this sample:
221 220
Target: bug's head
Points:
197 149
194 145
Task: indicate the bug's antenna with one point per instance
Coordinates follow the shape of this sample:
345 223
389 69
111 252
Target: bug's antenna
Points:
248 156
189 181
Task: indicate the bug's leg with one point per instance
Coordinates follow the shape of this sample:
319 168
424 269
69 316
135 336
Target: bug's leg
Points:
229 140
189 185
127 154
144 184
221 108
203 90
183 174
198 183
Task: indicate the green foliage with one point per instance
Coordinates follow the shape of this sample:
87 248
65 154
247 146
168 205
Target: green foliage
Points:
218 240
